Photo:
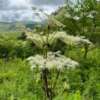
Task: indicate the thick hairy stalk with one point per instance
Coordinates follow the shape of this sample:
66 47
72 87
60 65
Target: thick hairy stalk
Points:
47 90
45 71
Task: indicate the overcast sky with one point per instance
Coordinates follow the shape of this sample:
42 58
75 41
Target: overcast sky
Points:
20 10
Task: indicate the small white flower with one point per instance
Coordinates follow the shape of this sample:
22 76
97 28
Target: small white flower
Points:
90 16
76 18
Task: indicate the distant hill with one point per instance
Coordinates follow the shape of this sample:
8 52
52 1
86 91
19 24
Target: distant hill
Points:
15 26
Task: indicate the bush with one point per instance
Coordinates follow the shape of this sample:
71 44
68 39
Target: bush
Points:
10 48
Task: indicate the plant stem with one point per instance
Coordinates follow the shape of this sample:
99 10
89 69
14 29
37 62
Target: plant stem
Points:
45 84
47 90
86 51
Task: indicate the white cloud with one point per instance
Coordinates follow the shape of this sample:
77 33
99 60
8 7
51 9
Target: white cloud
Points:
20 4
21 10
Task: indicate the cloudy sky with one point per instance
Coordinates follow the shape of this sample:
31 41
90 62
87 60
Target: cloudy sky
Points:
21 10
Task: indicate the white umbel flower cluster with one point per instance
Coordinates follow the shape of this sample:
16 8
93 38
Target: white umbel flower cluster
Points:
40 40
53 61
72 40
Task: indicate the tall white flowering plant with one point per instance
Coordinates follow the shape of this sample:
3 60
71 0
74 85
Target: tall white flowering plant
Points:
49 60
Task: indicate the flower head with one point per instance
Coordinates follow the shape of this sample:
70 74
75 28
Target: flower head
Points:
53 60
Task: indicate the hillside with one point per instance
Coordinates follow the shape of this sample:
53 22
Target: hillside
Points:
15 26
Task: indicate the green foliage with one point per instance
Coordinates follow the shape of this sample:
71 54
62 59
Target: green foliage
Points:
11 48
16 81
72 96
19 82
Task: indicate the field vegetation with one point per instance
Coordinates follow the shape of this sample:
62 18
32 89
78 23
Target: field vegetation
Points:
59 60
